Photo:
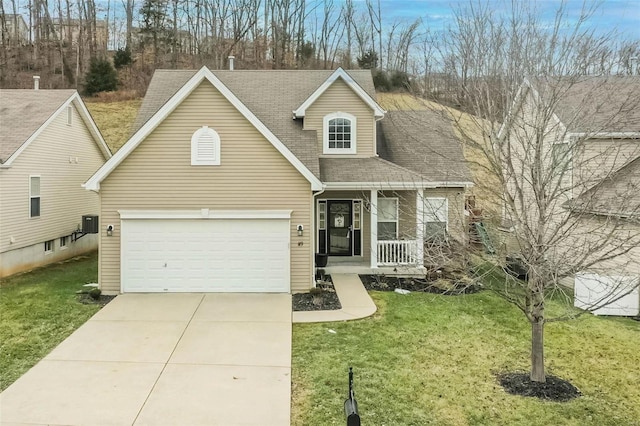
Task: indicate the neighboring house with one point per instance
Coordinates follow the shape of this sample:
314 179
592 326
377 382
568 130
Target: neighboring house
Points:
49 146
592 144
73 29
15 30
234 180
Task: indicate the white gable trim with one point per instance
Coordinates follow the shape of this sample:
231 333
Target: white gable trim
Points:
86 118
93 183
340 73
205 214
518 101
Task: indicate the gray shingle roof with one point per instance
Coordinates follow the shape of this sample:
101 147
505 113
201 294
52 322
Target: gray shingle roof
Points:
270 95
371 169
22 112
618 194
423 141
595 104
421 144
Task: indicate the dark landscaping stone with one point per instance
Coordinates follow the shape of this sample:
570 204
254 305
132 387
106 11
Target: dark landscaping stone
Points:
450 286
323 299
554 389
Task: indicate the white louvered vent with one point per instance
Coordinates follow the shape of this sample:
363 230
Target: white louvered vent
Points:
205 147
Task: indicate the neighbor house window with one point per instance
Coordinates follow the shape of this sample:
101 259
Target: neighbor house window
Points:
339 133
48 246
435 216
205 147
63 242
387 218
34 196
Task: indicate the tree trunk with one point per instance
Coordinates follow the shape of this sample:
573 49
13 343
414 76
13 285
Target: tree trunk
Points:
537 351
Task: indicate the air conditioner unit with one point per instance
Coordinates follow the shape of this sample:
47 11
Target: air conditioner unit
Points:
90 224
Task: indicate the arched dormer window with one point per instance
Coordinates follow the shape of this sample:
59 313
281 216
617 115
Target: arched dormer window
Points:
339 133
205 147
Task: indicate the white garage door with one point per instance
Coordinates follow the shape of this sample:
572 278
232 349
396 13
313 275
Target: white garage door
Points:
213 255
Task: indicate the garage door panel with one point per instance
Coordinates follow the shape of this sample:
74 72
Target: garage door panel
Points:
176 255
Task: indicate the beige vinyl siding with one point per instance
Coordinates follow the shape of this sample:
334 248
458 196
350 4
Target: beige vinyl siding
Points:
595 159
62 199
407 210
252 175
340 97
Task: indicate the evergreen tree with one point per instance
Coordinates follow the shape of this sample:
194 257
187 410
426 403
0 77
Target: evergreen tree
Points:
101 77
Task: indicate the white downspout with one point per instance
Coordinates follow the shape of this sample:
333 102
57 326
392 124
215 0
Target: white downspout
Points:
420 228
373 202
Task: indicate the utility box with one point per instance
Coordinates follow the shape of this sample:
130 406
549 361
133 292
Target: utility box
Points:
90 224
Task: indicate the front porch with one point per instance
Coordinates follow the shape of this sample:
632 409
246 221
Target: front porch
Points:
371 231
360 266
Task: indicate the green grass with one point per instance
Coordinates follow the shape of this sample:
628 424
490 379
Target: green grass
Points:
425 359
38 310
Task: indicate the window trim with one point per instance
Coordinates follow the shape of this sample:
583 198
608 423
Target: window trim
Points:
195 161
425 211
396 221
50 244
325 133
39 196
64 242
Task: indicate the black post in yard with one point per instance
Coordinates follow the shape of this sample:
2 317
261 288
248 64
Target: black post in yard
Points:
351 405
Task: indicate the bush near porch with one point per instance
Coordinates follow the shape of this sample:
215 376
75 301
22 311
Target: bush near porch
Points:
39 309
428 359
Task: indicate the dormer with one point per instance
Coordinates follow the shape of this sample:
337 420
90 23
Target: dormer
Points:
344 116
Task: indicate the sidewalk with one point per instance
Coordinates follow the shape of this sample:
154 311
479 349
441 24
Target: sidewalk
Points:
354 299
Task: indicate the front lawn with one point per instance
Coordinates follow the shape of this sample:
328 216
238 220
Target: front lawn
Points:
426 359
38 310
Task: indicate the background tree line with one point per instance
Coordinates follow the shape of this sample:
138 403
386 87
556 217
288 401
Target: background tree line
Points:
61 37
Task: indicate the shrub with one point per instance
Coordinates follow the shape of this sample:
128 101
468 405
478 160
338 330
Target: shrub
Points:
122 58
101 77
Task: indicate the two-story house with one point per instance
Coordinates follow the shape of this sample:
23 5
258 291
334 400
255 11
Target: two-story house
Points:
573 157
49 146
234 180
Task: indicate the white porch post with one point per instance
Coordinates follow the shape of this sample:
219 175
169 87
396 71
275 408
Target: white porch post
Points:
373 202
420 228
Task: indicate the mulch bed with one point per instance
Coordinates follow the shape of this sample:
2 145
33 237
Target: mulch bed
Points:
325 300
88 300
384 283
554 389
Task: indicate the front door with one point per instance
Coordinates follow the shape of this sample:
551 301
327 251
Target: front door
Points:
339 238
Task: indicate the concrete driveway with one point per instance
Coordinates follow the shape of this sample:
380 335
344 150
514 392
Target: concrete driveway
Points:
165 359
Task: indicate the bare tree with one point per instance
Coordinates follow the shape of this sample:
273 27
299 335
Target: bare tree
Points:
537 145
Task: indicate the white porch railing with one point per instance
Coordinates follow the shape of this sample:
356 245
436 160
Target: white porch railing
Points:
401 252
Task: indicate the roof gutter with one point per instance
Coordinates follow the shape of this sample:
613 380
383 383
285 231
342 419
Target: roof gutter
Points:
612 135
396 185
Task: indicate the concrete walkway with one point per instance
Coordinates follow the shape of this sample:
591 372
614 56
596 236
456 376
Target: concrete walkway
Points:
354 299
165 359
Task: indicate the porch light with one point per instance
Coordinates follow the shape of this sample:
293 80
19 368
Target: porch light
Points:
300 230
109 230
